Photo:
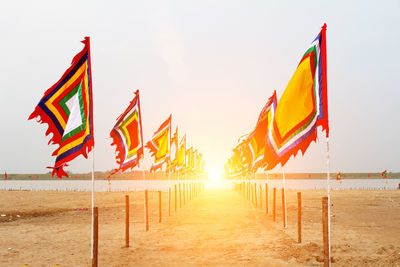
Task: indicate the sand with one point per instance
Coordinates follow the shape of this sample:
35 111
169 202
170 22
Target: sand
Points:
218 228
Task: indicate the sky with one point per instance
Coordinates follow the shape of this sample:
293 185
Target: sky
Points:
212 65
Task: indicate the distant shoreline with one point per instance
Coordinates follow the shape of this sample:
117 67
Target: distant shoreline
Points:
138 175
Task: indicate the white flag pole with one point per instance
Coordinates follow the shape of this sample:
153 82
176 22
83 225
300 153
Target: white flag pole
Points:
92 203
92 133
144 188
284 190
329 198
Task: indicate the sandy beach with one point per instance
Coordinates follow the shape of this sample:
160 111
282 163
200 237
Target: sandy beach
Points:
218 228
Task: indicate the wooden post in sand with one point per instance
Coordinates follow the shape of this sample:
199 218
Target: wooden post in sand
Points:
127 221
169 201
159 205
184 193
274 205
180 196
260 196
255 194
299 217
146 206
95 236
176 198
325 230
251 193
266 198
283 208
247 190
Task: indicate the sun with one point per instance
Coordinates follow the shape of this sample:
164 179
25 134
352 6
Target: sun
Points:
214 175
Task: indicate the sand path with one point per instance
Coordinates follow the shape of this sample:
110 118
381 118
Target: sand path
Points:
219 228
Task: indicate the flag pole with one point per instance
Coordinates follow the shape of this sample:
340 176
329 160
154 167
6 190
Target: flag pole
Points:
92 203
169 203
329 198
284 190
91 110
144 193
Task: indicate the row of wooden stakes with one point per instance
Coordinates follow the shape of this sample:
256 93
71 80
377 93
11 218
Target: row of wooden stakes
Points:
184 192
249 191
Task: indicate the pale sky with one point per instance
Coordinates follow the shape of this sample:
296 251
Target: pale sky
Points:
212 64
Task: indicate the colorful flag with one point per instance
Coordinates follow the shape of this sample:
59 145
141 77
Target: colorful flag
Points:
173 163
182 153
256 140
302 107
127 135
199 162
384 174
194 160
67 108
189 159
239 163
160 145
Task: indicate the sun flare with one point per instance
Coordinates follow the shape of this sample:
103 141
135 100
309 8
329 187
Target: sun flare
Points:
214 175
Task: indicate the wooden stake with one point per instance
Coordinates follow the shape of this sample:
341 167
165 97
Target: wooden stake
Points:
180 196
146 204
159 205
266 198
183 193
95 236
251 193
247 191
299 217
325 230
176 198
283 208
169 201
127 221
255 194
274 205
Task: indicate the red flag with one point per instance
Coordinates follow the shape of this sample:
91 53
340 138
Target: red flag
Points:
127 135
160 145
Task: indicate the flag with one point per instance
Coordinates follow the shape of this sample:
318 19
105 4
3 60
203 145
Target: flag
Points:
67 108
173 163
194 160
5 175
384 174
256 140
189 159
199 162
239 162
127 136
160 145
302 107
182 153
